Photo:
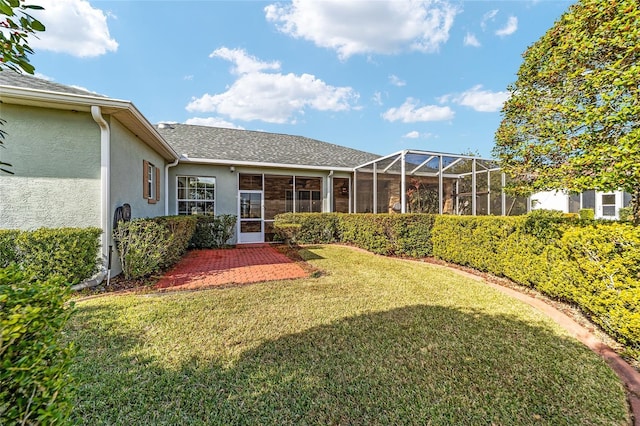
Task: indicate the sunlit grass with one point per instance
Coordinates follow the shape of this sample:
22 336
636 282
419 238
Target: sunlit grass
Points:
372 341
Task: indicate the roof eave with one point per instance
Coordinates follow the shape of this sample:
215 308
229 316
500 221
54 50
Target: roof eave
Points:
226 162
123 110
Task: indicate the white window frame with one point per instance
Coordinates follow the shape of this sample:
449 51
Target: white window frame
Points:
187 199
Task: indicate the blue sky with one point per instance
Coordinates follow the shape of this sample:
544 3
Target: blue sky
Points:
374 75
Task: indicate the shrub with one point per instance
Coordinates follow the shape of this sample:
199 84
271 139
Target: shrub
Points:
181 228
142 245
593 265
625 214
69 252
8 253
213 231
367 231
388 234
72 253
312 228
35 384
587 214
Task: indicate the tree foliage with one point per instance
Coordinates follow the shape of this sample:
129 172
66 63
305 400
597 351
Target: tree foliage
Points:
572 121
16 26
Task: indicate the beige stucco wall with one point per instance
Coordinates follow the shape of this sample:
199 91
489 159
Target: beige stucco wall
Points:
55 157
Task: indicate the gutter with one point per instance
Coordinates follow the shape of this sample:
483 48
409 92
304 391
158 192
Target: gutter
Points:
222 162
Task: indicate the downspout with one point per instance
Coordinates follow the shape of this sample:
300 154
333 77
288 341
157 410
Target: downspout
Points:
329 206
166 185
105 197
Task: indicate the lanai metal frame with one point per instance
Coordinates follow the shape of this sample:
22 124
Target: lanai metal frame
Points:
460 175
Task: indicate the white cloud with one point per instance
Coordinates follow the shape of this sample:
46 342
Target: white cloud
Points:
364 27
471 40
212 122
412 135
395 80
409 112
489 16
510 28
244 63
478 99
73 27
275 98
377 98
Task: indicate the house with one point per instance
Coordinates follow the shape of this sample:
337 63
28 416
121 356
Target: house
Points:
257 175
605 205
78 156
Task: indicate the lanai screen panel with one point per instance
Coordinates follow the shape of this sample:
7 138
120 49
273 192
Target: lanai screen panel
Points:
388 184
415 181
364 190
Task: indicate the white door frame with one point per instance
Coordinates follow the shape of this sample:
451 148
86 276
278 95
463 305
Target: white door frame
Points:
250 237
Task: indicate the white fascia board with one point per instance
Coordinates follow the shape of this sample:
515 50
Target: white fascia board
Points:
73 102
35 97
190 160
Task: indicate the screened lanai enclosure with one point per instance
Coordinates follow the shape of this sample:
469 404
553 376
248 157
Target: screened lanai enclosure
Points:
432 182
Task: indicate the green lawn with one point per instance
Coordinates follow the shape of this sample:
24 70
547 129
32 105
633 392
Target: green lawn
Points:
372 341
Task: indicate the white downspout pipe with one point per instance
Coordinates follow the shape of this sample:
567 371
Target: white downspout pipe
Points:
105 197
329 192
166 185
105 171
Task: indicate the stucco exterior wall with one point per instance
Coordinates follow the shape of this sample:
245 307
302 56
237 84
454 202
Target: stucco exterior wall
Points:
55 157
127 155
226 192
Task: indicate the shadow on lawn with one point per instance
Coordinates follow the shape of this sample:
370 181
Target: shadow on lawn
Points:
412 365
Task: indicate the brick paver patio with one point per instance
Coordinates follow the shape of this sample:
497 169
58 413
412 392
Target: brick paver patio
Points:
241 265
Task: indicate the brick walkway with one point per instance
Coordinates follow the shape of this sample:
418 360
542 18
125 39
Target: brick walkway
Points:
241 265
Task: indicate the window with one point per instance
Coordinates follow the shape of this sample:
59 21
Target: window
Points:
608 205
196 195
150 182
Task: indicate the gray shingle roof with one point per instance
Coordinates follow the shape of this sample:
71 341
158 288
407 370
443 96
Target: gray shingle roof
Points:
11 78
246 145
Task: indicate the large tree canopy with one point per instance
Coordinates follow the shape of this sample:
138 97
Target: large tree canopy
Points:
573 119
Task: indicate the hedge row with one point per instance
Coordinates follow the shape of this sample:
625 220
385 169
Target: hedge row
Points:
72 253
35 383
386 234
146 246
593 264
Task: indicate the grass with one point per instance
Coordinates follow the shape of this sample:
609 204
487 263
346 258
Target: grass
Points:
372 341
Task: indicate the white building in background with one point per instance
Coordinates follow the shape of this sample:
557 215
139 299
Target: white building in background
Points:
606 205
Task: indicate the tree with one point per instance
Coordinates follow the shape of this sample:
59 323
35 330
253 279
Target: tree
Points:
573 119
16 25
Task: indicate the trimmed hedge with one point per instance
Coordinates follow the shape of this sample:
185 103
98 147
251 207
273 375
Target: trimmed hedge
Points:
592 264
8 253
386 234
72 253
213 231
181 229
146 246
595 265
35 384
